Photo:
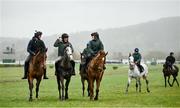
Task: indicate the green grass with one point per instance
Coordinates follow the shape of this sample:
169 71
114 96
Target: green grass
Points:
14 92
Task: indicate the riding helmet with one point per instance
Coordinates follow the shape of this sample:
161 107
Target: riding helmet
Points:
64 35
136 50
37 33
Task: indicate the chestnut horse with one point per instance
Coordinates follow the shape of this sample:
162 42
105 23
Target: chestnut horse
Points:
64 70
167 71
36 71
83 74
95 71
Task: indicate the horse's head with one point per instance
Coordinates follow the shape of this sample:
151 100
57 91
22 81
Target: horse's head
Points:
83 58
100 60
40 57
131 62
68 52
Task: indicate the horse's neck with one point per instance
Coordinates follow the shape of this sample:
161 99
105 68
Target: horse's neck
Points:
65 61
135 70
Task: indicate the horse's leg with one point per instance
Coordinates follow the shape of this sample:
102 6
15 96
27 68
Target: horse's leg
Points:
147 84
175 79
97 88
37 86
165 80
139 80
30 81
83 86
62 87
91 88
169 81
88 88
66 89
128 84
59 86
136 85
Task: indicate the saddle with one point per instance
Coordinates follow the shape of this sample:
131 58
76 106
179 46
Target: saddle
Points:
140 68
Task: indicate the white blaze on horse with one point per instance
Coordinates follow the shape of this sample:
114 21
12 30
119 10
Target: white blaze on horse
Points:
136 74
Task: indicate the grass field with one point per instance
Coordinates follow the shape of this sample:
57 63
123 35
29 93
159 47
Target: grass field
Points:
14 92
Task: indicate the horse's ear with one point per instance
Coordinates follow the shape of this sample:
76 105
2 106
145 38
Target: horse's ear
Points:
106 53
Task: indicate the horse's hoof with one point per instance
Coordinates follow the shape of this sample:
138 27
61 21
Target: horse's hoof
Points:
66 98
95 98
30 99
91 98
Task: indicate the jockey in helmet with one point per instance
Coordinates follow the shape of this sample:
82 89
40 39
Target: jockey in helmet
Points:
137 59
94 46
34 45
61 43
170 60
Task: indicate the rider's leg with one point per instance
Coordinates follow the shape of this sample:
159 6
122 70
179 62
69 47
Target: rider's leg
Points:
73 65
26 66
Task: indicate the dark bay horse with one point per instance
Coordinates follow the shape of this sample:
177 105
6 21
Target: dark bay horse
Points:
36 71
95 72
83 74
64 71
167 71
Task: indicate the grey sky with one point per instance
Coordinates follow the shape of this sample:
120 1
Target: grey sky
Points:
19 18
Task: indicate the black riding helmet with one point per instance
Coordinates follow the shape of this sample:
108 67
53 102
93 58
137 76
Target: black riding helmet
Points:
37 33
95 34
64 35
171 53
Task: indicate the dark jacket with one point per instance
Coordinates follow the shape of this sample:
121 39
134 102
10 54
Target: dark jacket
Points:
137 57
95 46
171 60
87 52
34 45
61 46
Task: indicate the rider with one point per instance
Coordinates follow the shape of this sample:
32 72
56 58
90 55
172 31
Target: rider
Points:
34 45
87 53
61 43
93 47
137 59
170 60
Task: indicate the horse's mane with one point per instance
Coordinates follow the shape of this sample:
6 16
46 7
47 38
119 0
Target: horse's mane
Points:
99 59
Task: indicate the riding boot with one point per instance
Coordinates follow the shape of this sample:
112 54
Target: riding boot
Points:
26 66
73 65
56 66
45 76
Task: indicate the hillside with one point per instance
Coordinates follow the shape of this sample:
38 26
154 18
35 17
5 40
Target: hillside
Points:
162 35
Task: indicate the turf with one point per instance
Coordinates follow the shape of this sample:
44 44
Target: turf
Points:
14 92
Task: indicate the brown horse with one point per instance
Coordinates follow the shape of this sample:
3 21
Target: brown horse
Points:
95 72
36 71
83 74
167 71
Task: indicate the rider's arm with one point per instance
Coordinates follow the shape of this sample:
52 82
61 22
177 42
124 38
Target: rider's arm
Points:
29 47
58 43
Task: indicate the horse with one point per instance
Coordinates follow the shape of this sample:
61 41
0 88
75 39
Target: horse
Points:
95 72
83 74
167 71
134 72
36 71
64 70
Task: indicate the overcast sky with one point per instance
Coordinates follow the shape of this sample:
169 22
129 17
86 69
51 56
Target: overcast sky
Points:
19 18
